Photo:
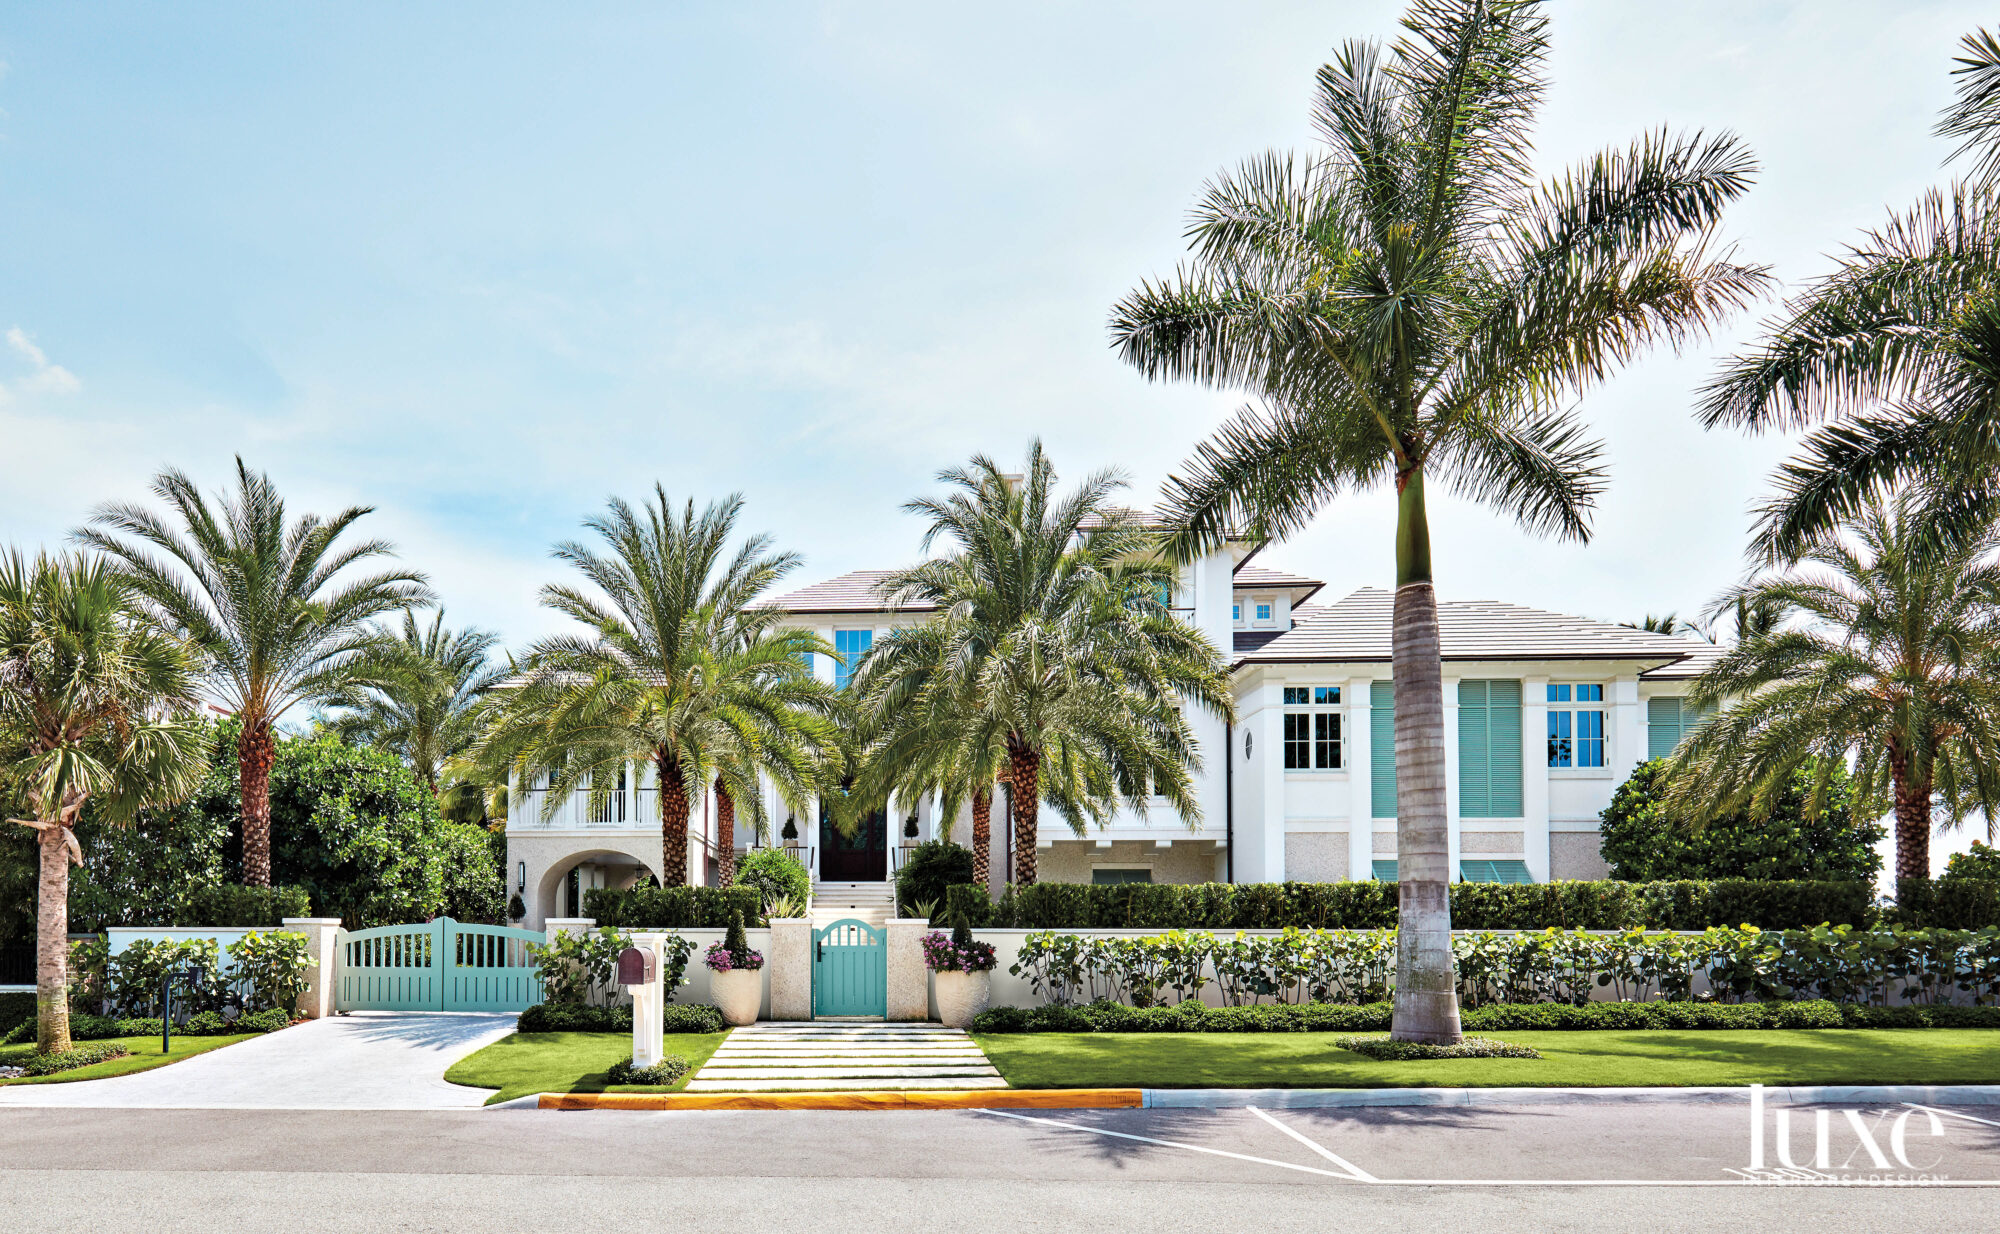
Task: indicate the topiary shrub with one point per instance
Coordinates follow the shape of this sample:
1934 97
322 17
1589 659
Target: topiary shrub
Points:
930 871
776 874
692 1018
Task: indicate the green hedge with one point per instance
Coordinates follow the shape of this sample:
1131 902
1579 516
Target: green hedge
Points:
234 905
553 1018
1946 903
1602 905
1192 1017
16 1009
674 908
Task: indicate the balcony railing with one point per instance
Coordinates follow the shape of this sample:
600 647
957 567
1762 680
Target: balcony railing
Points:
623 809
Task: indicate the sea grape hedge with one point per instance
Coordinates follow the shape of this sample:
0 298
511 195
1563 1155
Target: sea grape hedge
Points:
1602 905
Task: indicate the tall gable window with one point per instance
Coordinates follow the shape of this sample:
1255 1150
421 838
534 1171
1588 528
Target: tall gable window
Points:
1576 725
1312 728
852 645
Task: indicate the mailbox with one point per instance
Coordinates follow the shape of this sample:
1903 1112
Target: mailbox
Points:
637 966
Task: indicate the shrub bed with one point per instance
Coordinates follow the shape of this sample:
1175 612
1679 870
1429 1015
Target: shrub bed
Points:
674 908
668 1070
1603 905
555 1018
1390 1051
71 1059
1193 1017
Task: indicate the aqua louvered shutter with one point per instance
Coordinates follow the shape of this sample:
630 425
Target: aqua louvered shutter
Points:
1382 748
1474 750
1489 749
1663 726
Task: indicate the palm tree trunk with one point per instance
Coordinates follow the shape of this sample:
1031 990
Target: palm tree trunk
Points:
725 835
1024 775
1913 819
982 837
52 943
1426 985
673 823
254 752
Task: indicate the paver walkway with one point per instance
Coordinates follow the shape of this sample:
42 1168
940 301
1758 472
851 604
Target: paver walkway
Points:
830 1055
370 1060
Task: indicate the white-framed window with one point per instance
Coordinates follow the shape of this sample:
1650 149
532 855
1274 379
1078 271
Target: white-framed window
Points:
1236 612
1263 611
1313 729
1576 724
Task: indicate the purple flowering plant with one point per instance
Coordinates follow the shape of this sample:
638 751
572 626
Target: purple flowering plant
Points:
733 953
945 954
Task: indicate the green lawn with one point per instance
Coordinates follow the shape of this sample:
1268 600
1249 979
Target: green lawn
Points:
527 1063
145 1056
1570 1059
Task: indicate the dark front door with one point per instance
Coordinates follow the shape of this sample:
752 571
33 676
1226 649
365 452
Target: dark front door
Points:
860 858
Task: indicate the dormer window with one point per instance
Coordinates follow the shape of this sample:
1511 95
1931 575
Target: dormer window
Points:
1262 609
1236 612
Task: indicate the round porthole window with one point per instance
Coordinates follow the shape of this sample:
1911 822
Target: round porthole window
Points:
1248 744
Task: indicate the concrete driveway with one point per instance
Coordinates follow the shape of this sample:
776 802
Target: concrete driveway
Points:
370 1060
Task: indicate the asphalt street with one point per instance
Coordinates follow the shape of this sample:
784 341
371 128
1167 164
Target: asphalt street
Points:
1640 1167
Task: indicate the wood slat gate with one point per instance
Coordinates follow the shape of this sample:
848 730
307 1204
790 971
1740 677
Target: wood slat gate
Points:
441 965
850 970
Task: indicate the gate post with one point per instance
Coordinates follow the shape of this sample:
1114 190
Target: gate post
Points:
909 981
790 968
322 963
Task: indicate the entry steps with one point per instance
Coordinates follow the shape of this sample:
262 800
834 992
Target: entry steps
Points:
873 903
828 1056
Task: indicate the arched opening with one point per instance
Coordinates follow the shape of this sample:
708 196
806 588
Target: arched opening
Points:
564 885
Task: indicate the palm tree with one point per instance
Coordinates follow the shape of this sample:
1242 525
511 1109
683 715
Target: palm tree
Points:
1895 354
272 608
921 738
420 692
1408 304
1886 649
1053 635
95 702
679 669
1655 623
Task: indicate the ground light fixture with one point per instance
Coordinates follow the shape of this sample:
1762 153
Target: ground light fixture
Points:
189 979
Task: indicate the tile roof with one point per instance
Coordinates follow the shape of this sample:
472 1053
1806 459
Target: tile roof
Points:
1250 577
1700 656
856 592
1357 629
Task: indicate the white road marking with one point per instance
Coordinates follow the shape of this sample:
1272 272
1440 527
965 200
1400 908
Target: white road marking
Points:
1952 1114
1353 1175
1360 1174
1193 1148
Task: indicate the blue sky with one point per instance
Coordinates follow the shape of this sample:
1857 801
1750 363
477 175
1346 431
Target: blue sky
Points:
482 266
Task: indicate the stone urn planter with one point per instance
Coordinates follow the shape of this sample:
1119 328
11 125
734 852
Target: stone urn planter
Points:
961 996
737 994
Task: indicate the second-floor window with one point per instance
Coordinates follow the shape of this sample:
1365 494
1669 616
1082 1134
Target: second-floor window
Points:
1312 728
1576 725
852 645
1236 612
1263 612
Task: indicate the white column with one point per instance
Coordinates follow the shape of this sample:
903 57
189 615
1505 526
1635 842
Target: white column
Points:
1451 818
1269 866
1535 776
1360 779
1627 737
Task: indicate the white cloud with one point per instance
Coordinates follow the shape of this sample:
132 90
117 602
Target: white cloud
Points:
44 377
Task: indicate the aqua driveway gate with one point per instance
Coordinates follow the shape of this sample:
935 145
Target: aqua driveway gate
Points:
439 966
850 970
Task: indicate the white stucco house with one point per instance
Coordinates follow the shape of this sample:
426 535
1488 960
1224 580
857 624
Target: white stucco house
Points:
1544 715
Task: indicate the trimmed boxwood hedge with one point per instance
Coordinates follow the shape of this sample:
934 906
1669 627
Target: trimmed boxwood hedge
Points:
1192 1017
674 908
556 1018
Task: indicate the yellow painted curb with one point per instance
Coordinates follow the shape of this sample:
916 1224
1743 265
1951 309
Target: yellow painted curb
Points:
968 1099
